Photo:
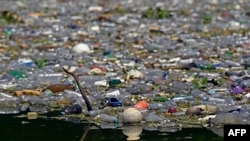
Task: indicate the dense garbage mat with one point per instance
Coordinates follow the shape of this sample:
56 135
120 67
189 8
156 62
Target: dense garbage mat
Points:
160 64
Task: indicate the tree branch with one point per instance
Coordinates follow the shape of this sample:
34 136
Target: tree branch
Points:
89 107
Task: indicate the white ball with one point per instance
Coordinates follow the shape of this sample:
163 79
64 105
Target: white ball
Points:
81 48
131 115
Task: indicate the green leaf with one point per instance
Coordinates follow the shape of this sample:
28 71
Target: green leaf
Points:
40 62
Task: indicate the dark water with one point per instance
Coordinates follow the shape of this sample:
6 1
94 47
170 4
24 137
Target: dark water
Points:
21 129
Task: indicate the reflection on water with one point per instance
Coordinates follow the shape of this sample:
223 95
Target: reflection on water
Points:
85 132
138 133
133 132
22 129
218 131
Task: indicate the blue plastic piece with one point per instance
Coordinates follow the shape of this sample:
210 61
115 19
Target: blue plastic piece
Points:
113 102
211 91
72 26
164 74
27 64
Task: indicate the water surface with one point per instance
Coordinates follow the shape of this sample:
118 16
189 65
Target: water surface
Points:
22 129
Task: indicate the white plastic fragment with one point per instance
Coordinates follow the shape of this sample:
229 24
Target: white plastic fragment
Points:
113 93
95 8
135 74
81 48
206 118
7 86
95 28
172 60
101 83
6 95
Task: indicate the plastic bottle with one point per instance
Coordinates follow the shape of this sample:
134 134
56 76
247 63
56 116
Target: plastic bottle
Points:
206 66
114 82
216 100
113 93
37 101
23 107
108 118
48 78
245 83
232 63
71 94
139 88
90 79
38 108
156 106
17 73
73 109
7 85
154 74
12 110
179 113
5 95
181 98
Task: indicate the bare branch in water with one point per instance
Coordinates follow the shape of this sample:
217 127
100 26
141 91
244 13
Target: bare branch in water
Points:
80 88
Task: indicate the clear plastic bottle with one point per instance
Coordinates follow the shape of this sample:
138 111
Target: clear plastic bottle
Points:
11 110
108 118
73 109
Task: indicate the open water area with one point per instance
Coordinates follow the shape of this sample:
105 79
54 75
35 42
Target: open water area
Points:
123 69
55 130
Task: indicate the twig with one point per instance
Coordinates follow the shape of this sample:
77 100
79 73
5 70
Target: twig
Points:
85 132
89 107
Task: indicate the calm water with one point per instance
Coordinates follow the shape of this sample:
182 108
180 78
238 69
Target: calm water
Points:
21 129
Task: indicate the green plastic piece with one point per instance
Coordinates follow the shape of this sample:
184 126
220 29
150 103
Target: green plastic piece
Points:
113 82
40 63
160 99
18 74
206 66
206 19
